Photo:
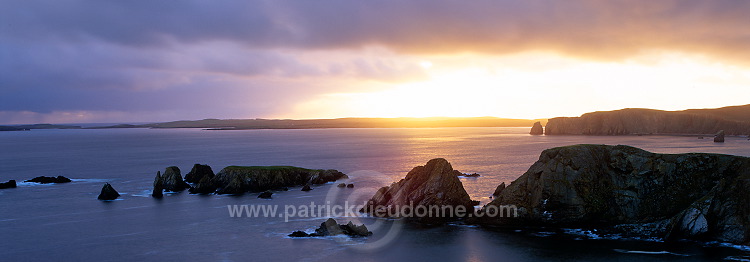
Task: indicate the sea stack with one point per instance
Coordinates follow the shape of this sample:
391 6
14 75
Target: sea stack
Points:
158 186
172 180
432 185
198 172
108 193
537 129
719 137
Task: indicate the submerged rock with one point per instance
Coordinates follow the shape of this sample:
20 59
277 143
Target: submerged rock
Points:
306 188
9 184
198 172
265 195
432 185
719 137
108 193
172 180
537 129
158 186
48 180
697 196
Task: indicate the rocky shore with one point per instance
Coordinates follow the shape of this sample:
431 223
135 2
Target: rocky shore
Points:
634 192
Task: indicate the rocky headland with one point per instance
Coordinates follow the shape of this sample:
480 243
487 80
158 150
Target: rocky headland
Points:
630 191
633 121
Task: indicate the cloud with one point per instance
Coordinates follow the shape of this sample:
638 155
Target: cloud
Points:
206 58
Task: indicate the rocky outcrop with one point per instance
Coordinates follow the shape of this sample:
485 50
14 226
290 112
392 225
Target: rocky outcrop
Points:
432 185
647 121
9 184
241 179
206 185
48 180
719 137
307 188
158 186
331 228
537 129
108 193
198 172
701 196
172 180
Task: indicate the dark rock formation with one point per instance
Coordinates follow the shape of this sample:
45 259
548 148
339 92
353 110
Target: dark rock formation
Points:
265 195
475 202
499 190
299 234
306 188
350 186
458 173
47 180
198 172
719 137
108 193
241 179
432 185
206 185
331 228
624 188
647 121
172 180
158 186
341 185
537 129
9 184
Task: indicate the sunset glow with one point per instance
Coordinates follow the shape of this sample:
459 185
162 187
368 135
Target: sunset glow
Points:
525 59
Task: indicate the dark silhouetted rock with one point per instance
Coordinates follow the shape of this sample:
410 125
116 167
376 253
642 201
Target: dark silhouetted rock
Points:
341 185
9 184
265 195
306 188
499 189
350 229
472 175
475 202
172 180
537 129
48 180
108 193
240 179
350 186
206 185
719 137
299 234
331 228
626 189
432 185
158 186
198 172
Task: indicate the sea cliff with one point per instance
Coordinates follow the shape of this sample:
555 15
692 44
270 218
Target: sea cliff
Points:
648 121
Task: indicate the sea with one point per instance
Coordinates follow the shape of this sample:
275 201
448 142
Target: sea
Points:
66 222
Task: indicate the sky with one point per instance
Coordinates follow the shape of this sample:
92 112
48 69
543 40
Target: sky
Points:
145 61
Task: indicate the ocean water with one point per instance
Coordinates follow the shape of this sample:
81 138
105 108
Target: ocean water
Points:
65 222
